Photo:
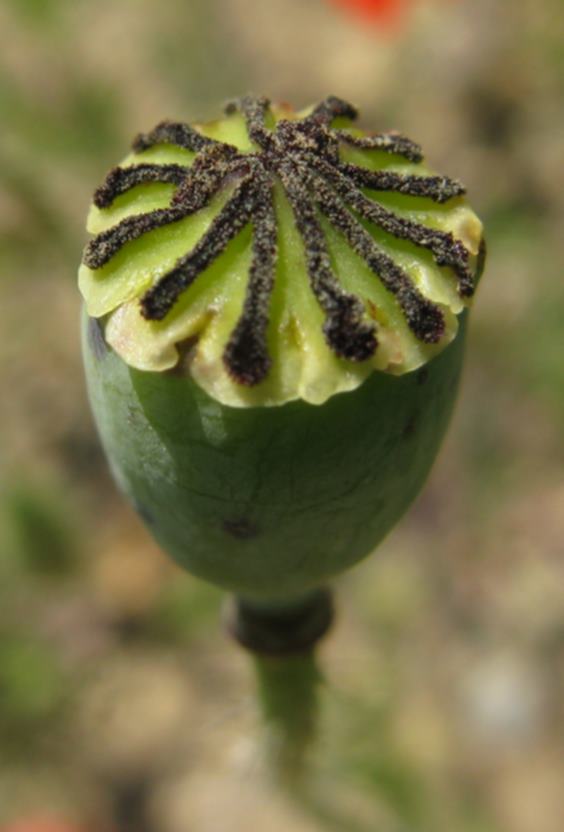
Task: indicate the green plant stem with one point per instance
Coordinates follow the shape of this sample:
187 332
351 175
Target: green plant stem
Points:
282 636
288 694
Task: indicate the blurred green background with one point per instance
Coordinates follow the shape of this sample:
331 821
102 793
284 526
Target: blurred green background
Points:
123 707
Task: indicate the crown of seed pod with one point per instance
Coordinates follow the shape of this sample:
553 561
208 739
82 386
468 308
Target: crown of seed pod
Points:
273 336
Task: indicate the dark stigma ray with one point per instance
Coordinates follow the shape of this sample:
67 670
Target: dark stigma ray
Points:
105 245
119 180
424 317
246 355
235 214
254 110
344 329
388 142
171 132
200 183
332 108
445 249
438 188
204 178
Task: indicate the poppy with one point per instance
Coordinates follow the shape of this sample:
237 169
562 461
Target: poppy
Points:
377 12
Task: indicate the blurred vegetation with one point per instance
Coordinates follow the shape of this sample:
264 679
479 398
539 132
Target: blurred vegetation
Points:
121 704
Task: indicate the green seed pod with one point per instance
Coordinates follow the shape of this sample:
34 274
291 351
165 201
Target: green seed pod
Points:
273 337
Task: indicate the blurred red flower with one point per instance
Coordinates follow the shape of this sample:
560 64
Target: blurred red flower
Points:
380 12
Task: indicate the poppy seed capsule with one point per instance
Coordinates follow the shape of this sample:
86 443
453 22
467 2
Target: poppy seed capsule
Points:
273 336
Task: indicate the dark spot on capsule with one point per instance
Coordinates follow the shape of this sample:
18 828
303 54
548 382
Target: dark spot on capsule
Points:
96 339
144 513
240 527
410 426
422 376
